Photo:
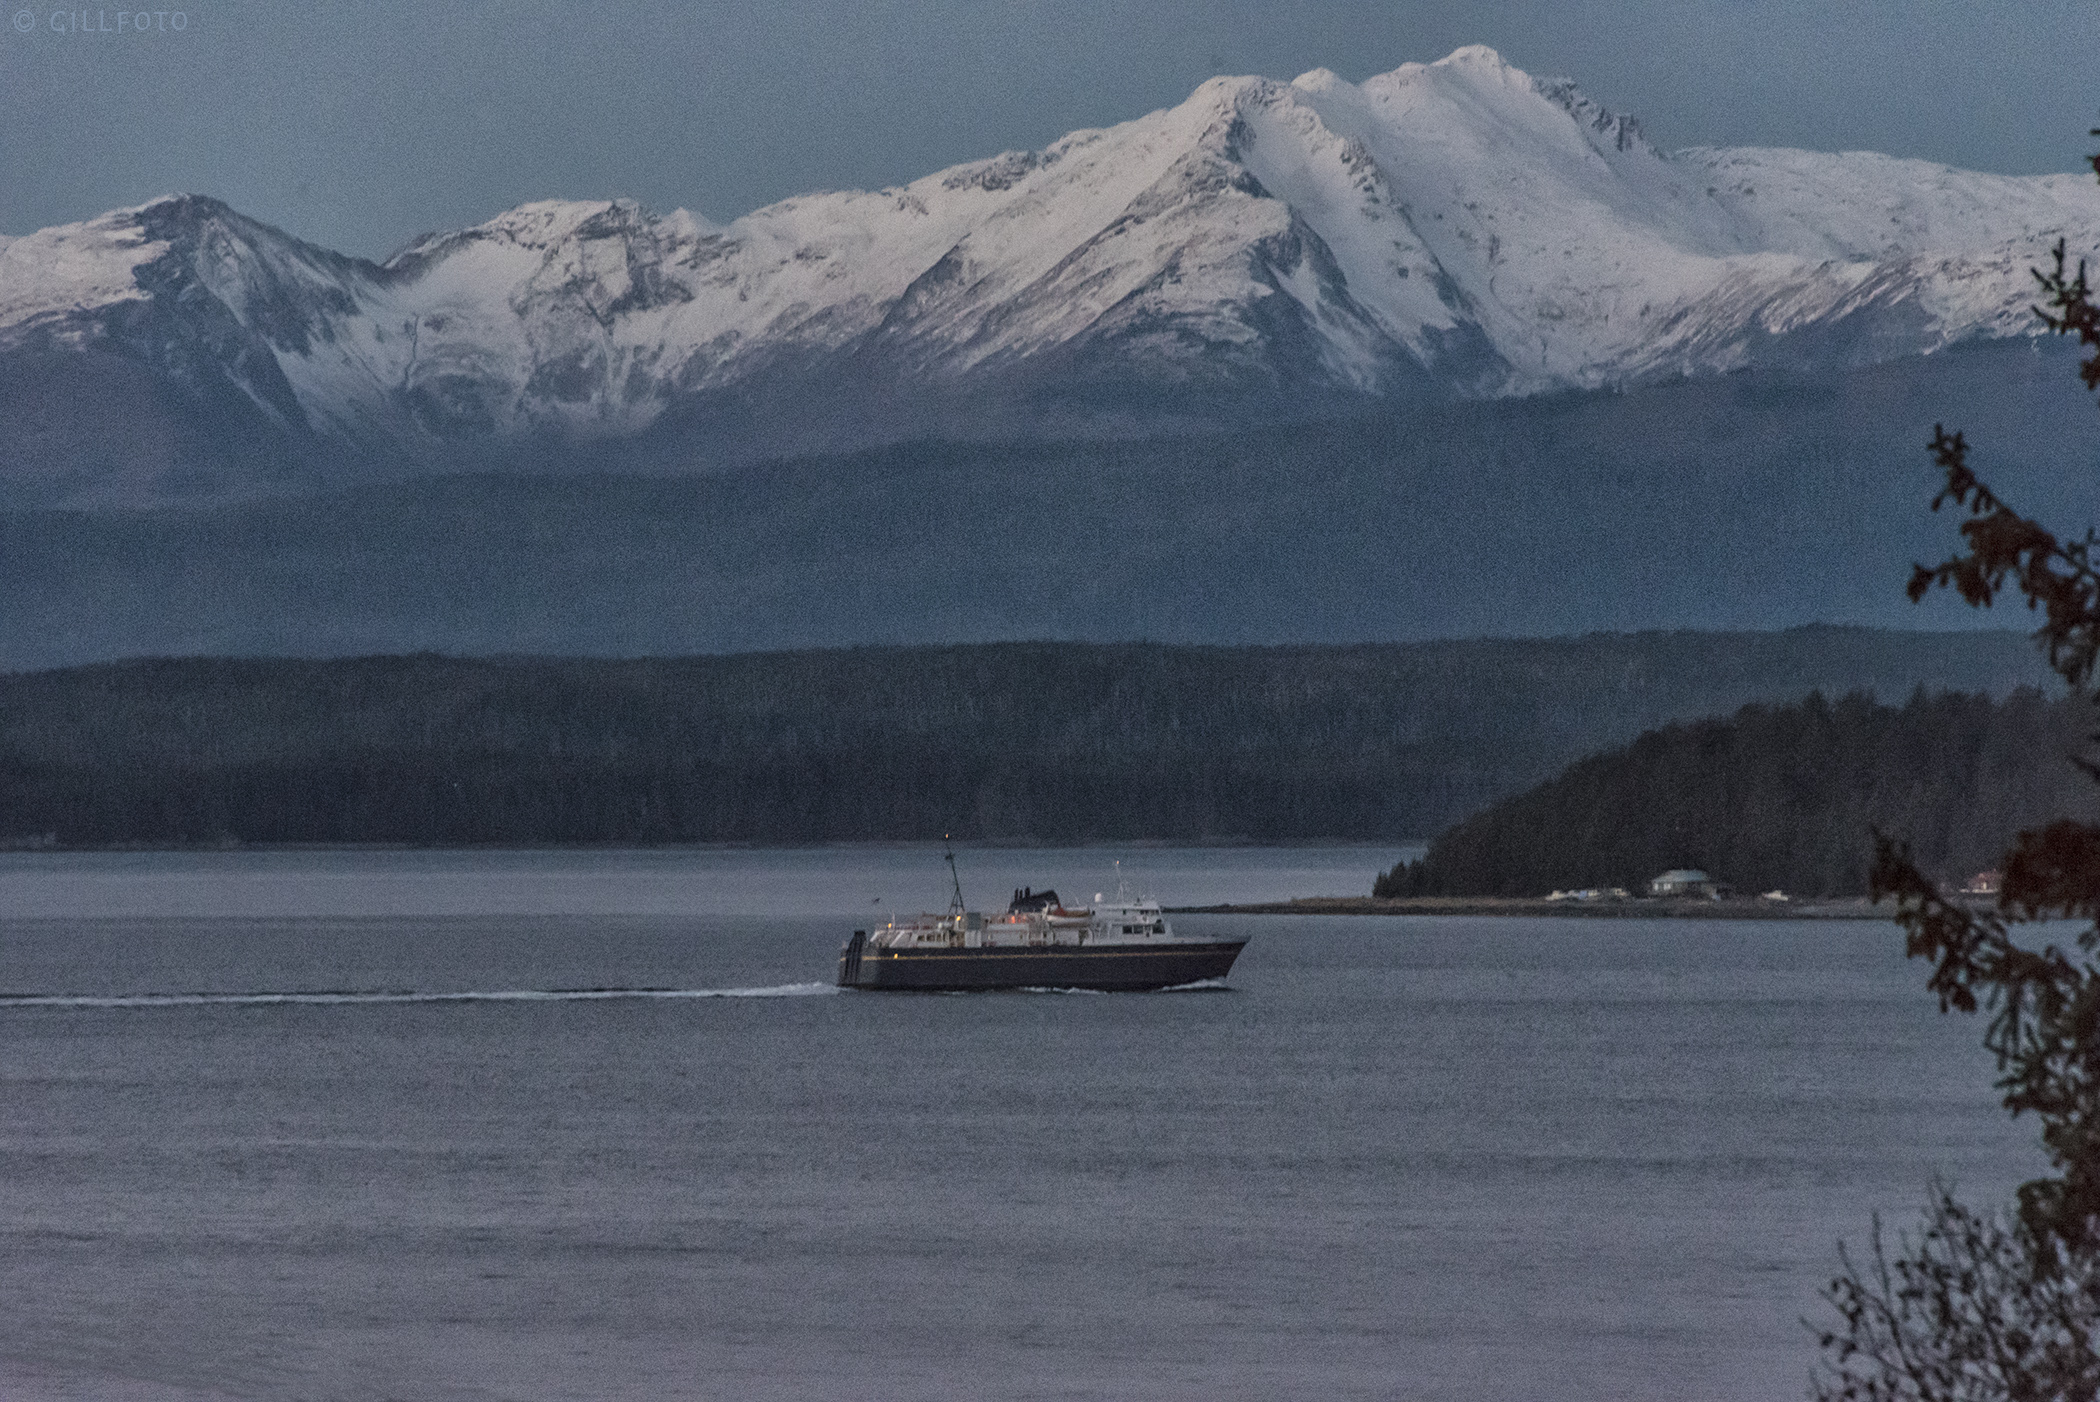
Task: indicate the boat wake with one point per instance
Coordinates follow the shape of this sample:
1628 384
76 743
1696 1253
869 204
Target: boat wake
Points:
357 998
1201 985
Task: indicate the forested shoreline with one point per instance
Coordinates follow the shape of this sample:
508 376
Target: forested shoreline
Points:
1052 742
1783 797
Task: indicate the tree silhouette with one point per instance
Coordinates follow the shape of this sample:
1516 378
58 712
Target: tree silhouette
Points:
1989 1305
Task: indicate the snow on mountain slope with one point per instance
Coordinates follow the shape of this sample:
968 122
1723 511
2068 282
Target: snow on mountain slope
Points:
1454 228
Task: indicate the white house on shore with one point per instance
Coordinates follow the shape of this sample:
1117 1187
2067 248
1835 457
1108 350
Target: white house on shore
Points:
1686 881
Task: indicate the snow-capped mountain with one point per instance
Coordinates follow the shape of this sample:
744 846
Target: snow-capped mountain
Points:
1456 228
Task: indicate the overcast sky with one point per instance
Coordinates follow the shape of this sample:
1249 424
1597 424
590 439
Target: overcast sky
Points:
359 126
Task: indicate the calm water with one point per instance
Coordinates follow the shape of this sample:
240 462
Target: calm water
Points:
1400 1158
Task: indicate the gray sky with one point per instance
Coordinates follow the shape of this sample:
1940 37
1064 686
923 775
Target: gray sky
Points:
361 125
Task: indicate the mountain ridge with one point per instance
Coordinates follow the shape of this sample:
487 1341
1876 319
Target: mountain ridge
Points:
1744 501
1261 252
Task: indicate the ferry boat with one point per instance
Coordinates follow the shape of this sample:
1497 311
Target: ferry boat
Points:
1119 946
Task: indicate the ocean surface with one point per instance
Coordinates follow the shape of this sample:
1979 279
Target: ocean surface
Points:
596 1126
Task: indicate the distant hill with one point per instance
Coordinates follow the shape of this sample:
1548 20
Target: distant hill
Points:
1779 796
1746 501
1014 741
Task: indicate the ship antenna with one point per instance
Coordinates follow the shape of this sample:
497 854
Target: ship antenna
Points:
957 906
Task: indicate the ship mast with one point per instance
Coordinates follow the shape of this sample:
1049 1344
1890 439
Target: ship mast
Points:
955 907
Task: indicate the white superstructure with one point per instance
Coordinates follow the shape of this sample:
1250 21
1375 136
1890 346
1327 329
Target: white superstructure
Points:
1128 922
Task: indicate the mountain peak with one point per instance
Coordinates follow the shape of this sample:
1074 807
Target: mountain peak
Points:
175 202
186 214
1467 63
1319 80
545 223
1473 56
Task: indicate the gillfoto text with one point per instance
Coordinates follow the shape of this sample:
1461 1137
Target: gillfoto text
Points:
105 21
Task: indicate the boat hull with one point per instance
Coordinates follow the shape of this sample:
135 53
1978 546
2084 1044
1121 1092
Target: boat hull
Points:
1107 968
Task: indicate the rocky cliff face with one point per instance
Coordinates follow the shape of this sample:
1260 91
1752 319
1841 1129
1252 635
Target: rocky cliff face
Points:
1264 250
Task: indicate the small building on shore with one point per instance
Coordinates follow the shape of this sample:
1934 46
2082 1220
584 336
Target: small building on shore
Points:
1592 893
1686 881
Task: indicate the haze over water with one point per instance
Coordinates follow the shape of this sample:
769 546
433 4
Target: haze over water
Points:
1401 1157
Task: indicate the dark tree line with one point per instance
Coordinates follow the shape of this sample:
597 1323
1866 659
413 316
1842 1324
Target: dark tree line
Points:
1054 742
1785 797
